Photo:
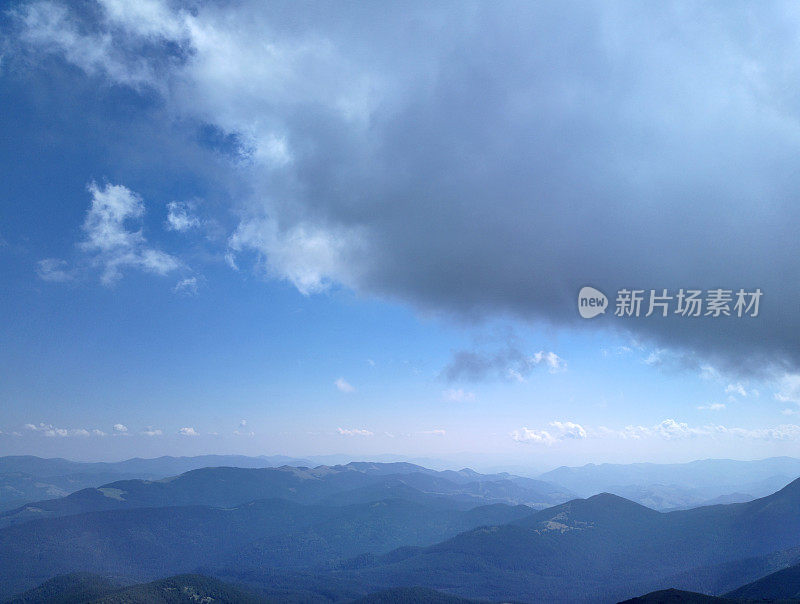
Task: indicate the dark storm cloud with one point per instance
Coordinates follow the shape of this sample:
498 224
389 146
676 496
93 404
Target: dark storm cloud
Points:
491 159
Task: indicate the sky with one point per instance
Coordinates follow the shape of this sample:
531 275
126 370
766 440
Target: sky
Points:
362 229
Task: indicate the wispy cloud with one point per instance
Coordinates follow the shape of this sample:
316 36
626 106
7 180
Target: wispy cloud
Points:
712 407
736 389
343 385
458 395
789 388
668 429
187 286
53 269
510 363
242 430
181 217
354 432
111 242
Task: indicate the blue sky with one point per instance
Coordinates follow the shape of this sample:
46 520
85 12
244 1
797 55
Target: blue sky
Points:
282 228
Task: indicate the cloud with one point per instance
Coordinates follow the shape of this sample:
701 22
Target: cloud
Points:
180 217
51 431
712 407
372 166
53 269
188 431
241 431
151 431
558 431
120 429
509 363
109 240
526 435
668 429
434 432
458 395
186 287
672 430
46 429
353 432
310 257
343 385
789 388
736 389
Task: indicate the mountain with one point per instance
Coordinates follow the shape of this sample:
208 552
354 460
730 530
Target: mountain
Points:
335 533
68 589
144 543
411 595
193 588
724 577
679 486
600 548
336 485
25 478
781 585
189 589
675 596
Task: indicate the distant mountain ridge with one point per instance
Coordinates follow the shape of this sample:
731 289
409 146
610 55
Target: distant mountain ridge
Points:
352 483
25 478
680 486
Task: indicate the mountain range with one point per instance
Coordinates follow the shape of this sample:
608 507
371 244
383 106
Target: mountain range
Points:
339 533
664 487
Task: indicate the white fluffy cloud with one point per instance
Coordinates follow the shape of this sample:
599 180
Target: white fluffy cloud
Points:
188 431
308 256
110 240
557 431
181 217
52 431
